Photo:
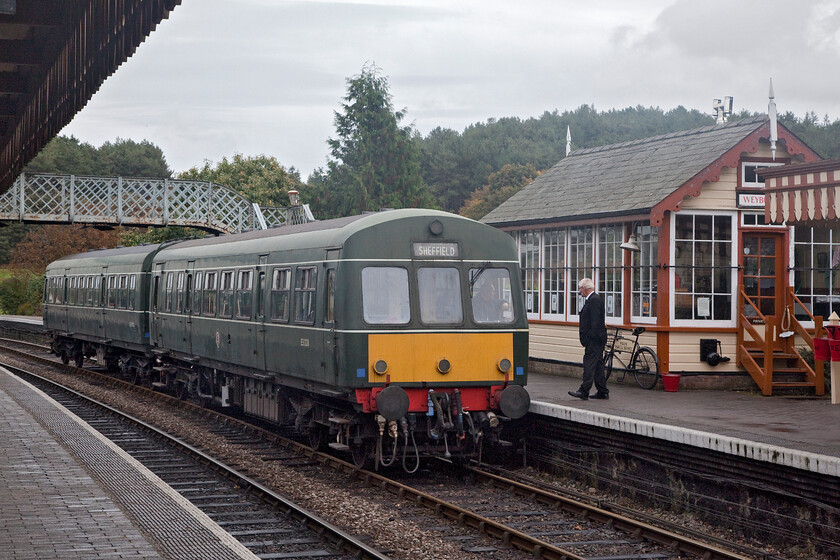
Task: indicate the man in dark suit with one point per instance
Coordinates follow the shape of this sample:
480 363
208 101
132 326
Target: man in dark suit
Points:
593 337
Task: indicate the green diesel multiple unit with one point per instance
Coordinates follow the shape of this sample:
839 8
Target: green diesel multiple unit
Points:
396 334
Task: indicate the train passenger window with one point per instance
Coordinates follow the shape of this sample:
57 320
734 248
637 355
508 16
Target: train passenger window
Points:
168 288
280 294
385 295
112 291
196 295
440 296
59 292
209 305
94 295
132 291
122 293
49 290
71 293
244 291
226 294
179 294
305 282
491 296
329 313
85 288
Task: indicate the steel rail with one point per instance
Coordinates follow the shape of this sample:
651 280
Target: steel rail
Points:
537 547
343 540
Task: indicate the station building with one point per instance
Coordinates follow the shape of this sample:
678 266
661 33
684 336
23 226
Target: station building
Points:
673 231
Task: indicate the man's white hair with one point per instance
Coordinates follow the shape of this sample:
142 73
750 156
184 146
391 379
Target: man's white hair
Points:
586 283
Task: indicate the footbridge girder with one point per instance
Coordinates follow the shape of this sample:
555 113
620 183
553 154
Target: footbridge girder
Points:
132 201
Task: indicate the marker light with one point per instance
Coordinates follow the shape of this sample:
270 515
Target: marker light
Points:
504 365
444 366
380 367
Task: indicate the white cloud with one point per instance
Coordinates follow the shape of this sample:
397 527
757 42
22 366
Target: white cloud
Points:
265 76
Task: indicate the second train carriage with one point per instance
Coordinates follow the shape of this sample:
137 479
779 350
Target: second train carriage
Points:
394 334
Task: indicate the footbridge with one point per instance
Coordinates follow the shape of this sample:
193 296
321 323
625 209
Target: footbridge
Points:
132 201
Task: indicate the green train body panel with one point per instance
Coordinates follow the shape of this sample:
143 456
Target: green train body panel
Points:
324 353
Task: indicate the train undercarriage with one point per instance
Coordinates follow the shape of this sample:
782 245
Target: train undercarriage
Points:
335 421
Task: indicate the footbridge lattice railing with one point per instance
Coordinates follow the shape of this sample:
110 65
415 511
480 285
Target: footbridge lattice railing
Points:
130 201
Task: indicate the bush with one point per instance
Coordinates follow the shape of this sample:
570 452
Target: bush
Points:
21 292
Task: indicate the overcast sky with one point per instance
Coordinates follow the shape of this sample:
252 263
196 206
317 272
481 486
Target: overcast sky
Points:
266 76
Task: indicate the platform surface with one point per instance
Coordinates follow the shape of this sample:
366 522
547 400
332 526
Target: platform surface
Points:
803 432
67 492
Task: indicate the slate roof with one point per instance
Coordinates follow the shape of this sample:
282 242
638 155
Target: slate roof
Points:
620 179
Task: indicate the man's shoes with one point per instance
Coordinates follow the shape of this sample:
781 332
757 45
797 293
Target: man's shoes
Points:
604 396
579 395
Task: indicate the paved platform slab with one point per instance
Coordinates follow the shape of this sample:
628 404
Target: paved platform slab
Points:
801 432
67 492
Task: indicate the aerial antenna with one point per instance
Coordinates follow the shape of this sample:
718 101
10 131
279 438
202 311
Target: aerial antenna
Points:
722 109
568 139
771 111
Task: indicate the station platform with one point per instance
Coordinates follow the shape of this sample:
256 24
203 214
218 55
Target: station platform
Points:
67 492
799 432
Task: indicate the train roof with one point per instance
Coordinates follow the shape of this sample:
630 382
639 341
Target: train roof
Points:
321 234
103 257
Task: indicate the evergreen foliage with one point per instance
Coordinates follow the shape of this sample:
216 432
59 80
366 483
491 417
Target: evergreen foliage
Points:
500 186
374 162
20 293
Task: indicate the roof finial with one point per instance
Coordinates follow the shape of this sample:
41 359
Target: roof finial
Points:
568 139
771 111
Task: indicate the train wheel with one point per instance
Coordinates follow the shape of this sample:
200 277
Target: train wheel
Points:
318 437
65 358
362 454
79 360
182 391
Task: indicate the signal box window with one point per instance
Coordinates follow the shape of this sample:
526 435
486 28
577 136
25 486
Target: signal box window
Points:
440 296
280 294
385 295
209 305
491 296
244 291
226 294
305 282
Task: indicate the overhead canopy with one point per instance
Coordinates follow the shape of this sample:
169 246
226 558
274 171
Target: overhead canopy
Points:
804 193
54 55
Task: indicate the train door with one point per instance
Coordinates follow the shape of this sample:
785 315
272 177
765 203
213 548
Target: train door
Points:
330 362
101 303
154 306
185 289
260 299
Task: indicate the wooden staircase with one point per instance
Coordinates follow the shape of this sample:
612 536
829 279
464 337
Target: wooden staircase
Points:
773 361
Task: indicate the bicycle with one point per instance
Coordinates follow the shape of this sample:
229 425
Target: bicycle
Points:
643 361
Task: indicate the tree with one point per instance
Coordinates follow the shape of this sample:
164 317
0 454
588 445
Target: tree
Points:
261 179
374 161
48 243
500 186
68 155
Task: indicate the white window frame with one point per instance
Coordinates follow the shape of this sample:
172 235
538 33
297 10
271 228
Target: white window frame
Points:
650 320
619 231
733 280
545 306
756 164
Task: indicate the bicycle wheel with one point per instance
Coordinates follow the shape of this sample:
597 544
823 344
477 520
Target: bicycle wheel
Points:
646 368
608 365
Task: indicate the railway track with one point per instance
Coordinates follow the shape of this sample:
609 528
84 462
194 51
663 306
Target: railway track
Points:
263 521
492 515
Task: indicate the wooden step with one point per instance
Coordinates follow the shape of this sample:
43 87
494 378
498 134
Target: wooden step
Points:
792 384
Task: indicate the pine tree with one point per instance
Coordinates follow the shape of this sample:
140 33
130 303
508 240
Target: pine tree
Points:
375 163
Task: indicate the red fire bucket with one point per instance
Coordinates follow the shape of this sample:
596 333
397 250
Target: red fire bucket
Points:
834 346
671 381
821 349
